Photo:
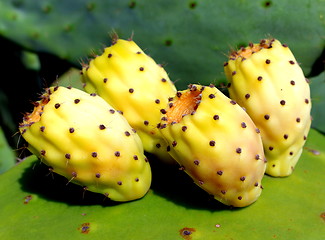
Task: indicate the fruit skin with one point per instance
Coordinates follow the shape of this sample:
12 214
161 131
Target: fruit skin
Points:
218 146
272 88
82 138
135 84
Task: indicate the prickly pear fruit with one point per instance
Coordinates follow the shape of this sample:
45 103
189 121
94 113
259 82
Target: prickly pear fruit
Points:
81 137
135 84
268 82
216 143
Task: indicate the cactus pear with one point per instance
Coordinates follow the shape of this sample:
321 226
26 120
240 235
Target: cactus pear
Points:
135 84
81 137
266 79
216 143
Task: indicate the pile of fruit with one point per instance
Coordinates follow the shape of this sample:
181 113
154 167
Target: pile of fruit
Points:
98 138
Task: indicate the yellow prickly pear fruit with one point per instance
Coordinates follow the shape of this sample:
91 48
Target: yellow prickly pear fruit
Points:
83 138
135 84
267 81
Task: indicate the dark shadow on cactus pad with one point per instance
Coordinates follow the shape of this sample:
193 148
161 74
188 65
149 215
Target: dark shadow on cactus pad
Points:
38 180
175 185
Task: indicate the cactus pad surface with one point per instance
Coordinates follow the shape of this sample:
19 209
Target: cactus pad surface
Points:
289 208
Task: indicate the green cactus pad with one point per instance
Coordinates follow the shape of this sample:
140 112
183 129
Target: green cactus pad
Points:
43 207
191 36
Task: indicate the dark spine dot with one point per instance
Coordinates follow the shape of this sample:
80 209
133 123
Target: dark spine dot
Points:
238 150
94 154
220 172
247 96
145 122
271 148
163 80
42 128
257 130
306 101
292 82
76 101
141 69
196 162
117 154
93 94
109 55
211 96
163 111
71 130
233 73
43 152
242 179
97 175
112 111
240 198
146 159
285 136
307 80
135 157
233 102
184 128
57 105
305 138
267 117
291 62
168 149
74 174
174 143
225 64
157 101
290 153
259 78
119 183
158 145
257 157
102 127
243 125
127 133
137 179
223 192
256 184
282 102
131 90
105 80
212 143
179 94
267 61
67 156
216 117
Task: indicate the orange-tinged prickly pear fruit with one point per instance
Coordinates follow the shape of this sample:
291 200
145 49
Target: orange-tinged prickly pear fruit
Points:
216 143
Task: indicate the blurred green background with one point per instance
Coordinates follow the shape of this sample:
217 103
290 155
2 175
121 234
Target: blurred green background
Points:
44 43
